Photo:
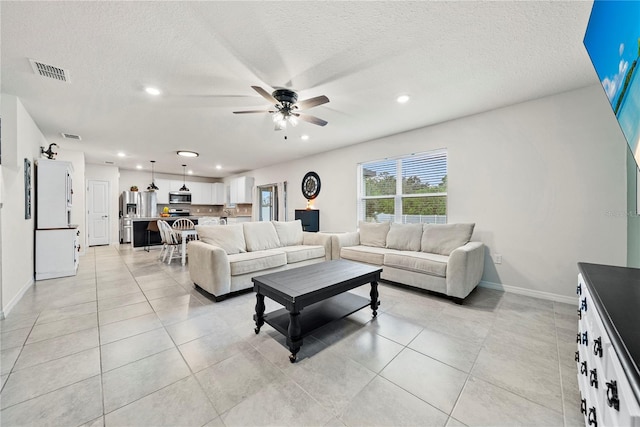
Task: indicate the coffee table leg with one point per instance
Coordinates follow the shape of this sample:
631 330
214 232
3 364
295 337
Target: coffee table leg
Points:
374 298
259 316
294 331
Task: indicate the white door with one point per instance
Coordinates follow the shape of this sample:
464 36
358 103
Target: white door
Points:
98 212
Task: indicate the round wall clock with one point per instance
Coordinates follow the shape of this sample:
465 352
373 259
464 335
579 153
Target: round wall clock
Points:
311 185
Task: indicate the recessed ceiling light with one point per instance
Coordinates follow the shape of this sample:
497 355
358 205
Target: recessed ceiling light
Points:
304 137
190 172
138 166
121 154
185 153
152 90
402 99
218 167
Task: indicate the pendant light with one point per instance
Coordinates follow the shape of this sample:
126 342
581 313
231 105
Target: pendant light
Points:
184 182
152 186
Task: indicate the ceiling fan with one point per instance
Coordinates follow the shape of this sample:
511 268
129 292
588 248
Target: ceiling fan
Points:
287 108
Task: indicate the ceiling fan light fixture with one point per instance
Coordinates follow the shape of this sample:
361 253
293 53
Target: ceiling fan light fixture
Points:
187 153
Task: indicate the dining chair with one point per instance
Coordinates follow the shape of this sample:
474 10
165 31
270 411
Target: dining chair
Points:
172 239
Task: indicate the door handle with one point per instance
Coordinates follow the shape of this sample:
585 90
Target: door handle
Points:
105 216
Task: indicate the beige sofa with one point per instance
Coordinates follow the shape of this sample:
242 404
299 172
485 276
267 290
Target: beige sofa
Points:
434 257
226 257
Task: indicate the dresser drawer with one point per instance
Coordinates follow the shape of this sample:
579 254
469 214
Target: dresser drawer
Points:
620 407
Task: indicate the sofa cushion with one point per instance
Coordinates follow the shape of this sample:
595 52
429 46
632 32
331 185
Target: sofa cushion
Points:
302 252
404 237
366 254
289 232
260 236
255 262
229 237
373 233
420 262
444 238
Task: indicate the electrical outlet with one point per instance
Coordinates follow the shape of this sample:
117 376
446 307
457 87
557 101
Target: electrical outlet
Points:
498 258
197 210
210 210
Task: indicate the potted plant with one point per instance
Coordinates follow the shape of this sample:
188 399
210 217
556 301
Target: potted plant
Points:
134 188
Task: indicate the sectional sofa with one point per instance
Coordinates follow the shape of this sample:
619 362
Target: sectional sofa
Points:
225 258
435 257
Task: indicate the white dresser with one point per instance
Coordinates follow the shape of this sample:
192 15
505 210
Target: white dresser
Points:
608 345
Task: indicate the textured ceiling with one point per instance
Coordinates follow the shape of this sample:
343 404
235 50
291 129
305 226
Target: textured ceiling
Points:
453 58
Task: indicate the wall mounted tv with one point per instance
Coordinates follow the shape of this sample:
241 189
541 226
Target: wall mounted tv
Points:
612 40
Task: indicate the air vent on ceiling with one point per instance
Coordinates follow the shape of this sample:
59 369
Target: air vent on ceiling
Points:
71 136
107 162
50 71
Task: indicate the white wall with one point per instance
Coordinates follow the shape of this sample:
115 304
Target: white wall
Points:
542 180
109 174
21 139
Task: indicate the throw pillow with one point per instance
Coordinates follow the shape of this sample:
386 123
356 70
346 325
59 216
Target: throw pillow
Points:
228 237
373 233
404 237
289 232
444 238
260 236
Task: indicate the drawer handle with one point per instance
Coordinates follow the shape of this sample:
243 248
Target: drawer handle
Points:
597 346
577 356
593 378
579 289
584 304
583 406
579 314
583 368
592 417
612 395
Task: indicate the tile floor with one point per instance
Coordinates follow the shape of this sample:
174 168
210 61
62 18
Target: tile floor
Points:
129 341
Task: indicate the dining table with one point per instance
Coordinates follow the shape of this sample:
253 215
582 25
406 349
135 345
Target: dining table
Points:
185 234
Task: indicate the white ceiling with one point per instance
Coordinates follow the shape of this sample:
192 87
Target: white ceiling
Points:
453 58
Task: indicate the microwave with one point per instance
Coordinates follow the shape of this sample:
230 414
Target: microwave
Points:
179 197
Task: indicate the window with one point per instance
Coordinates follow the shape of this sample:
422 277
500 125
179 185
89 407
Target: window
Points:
408 189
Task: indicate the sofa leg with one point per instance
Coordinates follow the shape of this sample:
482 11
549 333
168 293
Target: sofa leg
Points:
457 300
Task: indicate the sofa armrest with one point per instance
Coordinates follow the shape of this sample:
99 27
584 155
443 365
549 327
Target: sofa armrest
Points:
209 267
341 240
464 269
318 239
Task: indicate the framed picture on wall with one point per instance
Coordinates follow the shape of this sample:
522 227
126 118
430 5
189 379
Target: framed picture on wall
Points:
27 189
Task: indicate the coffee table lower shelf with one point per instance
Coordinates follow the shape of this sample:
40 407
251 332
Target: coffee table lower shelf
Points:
318 314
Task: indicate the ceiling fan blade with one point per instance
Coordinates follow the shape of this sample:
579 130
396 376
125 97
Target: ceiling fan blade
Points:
253 111
266 95
312 102
311 119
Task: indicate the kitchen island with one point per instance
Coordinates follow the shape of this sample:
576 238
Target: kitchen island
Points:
147 236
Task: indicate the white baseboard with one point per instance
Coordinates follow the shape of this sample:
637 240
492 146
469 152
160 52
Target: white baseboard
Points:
16 299
529 292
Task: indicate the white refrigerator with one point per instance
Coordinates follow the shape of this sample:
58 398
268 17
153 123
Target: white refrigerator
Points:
57 244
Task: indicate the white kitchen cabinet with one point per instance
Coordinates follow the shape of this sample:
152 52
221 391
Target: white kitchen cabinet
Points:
201 193
241 190
217 193
54 193
56 253
163 192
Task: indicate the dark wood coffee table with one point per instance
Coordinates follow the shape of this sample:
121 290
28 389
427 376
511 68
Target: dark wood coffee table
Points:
320 289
